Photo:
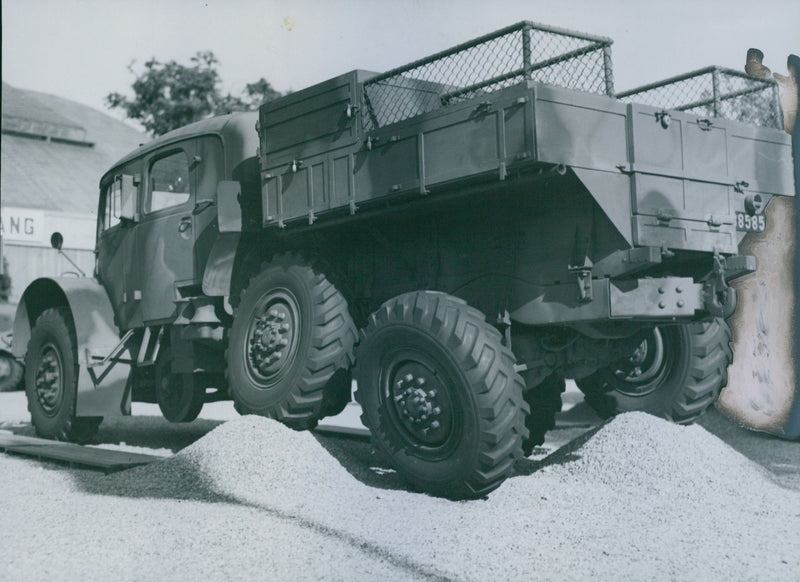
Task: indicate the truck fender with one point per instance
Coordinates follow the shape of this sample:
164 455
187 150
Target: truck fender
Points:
95 332
219 267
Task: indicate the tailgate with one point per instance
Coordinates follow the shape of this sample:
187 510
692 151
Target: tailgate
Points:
690 176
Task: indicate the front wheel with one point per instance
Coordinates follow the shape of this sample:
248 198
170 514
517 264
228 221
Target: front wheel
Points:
440 395
676 372
51 379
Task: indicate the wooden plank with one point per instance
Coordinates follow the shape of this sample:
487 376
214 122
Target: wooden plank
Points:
105 459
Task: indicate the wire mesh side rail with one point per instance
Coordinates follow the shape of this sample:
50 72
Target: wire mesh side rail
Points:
690 75
524 71
520 26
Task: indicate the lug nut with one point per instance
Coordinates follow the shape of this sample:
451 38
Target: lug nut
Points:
408 378
435 424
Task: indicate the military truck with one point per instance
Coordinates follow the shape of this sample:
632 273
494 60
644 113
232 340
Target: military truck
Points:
459 235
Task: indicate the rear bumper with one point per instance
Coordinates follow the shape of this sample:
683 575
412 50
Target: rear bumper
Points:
651 299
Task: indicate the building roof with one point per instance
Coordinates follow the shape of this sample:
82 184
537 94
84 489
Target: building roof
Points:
54 151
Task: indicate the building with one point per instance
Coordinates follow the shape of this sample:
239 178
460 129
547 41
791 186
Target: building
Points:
53 154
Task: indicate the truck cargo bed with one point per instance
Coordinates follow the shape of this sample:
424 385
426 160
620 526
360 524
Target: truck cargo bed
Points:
667 179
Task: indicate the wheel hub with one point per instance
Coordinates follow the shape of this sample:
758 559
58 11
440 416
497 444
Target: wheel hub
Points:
48 381
272 337
645 364
419 403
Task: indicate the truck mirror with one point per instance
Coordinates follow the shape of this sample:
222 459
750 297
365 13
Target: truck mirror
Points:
128 191
229 210
56 240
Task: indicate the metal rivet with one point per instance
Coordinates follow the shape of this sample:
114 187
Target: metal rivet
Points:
661 290
662 305
679 289
681 304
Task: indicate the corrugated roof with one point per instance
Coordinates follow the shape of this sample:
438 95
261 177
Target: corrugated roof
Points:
61 174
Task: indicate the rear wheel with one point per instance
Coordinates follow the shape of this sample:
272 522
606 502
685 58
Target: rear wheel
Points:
676 372
51 379
291 345
440 395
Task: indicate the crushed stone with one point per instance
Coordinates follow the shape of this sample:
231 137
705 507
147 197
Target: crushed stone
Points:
639 499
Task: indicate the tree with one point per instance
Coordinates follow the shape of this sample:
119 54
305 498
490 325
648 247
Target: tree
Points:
170 95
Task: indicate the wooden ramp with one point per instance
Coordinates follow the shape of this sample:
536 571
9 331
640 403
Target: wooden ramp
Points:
106 460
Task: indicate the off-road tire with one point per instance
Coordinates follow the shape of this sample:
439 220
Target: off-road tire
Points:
180 397
427 358
694 371
312 375
51 379
11 373
544 401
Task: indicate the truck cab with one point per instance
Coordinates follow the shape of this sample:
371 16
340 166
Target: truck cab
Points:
158 219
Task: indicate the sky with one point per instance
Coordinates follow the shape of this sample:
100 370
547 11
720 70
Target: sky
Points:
81 49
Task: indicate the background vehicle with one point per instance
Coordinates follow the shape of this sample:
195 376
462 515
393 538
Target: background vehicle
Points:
491 218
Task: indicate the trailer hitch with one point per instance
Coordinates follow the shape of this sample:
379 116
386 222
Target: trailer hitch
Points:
719 298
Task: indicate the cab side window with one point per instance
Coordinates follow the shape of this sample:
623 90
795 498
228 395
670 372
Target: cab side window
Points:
112 204
169 182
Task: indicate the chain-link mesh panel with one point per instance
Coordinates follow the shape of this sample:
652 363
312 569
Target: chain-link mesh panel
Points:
487 64
714 92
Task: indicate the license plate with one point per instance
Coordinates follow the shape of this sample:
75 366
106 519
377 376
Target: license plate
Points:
747 223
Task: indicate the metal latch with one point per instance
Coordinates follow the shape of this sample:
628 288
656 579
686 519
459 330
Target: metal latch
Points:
483 107
664 118
351 110
740 186
584 276
296 165
705 124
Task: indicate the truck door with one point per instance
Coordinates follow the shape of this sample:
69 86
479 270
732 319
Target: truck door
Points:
178 225
116 245
165 234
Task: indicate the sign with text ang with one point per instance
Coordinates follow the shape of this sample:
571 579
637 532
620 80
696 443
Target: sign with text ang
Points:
22 225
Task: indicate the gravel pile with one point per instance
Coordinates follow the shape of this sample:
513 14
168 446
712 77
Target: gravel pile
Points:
638 499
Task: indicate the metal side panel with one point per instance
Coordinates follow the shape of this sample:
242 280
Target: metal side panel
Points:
682 189
611 191
684 234
311 121
580 129
761 159
219 268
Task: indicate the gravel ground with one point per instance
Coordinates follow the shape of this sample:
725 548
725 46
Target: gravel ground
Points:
637 499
